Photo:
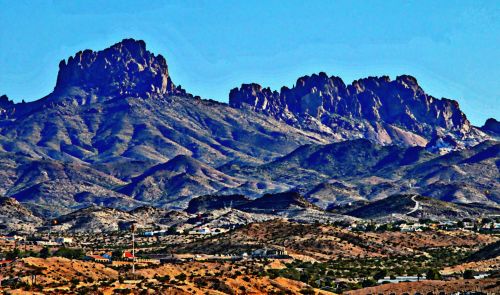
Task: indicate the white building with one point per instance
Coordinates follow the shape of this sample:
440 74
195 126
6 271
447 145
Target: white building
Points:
46 243
200 231
64 240
410 227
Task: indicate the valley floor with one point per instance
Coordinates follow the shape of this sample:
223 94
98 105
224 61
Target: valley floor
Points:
273 257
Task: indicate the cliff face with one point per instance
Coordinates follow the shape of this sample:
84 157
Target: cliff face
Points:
125 68
6 106
366 106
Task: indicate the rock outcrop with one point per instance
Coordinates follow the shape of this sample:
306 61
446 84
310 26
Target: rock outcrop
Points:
6 106
124 69
491 126
375 107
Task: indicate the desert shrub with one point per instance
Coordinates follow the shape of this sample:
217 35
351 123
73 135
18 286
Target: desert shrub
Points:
181 277
307 291
70 253
468 274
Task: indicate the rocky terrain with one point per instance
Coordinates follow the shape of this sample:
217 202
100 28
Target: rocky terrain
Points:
378 108
348 171
117 133
101 219
205 211
180 178
405 207
14 216
492 127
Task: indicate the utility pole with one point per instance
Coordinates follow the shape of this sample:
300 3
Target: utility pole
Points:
53 223
133 248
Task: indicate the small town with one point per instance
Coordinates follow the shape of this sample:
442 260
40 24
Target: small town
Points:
131 251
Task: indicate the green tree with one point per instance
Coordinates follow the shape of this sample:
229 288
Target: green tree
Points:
368 283
117 254
164 279
172 230
11 255
181 277
432 274
45 252
468 274
380 274
70 253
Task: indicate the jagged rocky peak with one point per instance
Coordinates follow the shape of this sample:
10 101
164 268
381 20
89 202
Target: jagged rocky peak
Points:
5 102
401 102
491 126
6 106
126 68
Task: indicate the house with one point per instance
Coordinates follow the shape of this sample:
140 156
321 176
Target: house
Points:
64 240
128 255
154 233
469 225
357 227
410 227
495 226
14 238
107 256
200 231
97 258
46 243
448 225
266 252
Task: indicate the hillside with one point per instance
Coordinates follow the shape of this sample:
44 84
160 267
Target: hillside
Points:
15 217
417 207
357 170
118 132
176 181
101 219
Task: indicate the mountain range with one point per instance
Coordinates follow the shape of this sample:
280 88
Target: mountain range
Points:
116 132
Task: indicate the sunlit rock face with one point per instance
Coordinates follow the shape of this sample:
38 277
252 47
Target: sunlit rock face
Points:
125 68
375 107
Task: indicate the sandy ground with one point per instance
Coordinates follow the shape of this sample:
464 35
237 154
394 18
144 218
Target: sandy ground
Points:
423 287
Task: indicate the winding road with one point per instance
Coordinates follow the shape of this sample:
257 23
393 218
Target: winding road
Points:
417 205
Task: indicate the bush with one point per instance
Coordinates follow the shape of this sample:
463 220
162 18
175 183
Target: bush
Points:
181 277
368 283
11 255
432 274
468 274
307 292
164 279
45 252
70 253
380 274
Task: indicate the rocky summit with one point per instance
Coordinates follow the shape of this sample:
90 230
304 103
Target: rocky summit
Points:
384 110
124 69
492 127
117 133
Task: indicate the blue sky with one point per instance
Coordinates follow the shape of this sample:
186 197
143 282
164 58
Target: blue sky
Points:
451 47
